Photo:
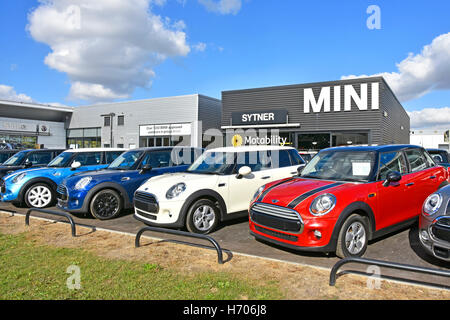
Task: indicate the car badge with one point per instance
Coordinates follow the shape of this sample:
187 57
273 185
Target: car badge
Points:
275 201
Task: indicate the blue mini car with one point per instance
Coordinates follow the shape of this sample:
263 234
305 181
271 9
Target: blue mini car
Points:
105 193
36 187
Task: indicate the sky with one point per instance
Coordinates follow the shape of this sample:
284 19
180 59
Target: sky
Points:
78 52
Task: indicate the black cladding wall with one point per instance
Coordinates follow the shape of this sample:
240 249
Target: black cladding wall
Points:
387 124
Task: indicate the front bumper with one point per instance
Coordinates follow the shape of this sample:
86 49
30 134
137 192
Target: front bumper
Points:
434 236
70 201
9 192
302 234
150 210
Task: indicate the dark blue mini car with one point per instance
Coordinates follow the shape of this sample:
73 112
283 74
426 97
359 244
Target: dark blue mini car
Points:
106 193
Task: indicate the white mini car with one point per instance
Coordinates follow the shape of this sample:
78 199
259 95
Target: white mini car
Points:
218 186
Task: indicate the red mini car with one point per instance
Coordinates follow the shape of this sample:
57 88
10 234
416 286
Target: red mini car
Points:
345 197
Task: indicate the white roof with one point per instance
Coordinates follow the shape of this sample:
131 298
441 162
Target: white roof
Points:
248 149
95 149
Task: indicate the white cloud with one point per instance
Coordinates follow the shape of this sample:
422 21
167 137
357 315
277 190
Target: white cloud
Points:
107 48
8 93
222 6
200 46
430 118
421 73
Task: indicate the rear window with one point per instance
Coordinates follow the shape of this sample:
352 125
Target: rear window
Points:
416 160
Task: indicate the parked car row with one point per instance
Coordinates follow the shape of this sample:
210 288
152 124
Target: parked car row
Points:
341 199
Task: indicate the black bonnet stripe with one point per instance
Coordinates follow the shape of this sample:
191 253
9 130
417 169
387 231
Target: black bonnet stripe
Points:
262 195
299 199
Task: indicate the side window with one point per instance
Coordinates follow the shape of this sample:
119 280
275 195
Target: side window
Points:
257 161
430 160
281 159
157 159
89 158
37 158
296 158
416 160
391 161
112 155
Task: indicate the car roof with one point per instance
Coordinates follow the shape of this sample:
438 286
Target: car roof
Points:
163 148
380 148
38 150
95 149
248 148
439 150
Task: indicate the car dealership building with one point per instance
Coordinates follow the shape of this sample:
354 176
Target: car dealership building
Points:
131 124
314 116
310 116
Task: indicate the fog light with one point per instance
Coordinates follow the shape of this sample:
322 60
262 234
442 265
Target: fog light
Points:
424 235
318 234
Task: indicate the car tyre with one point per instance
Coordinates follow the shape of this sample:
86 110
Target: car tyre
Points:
106 204
39 195
202 217
353 237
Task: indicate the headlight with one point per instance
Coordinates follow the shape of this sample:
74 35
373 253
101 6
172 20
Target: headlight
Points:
258 192
322 204
175 190
82 183
19 177
432 204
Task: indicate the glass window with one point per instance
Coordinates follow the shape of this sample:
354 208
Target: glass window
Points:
296 158
126 160
257 161
120 120
340 165
16 159
4 157
214 163
75 133
389 162
284 159
431 162
37 158
112 155
107 121
157 159
89 158
61 160
416 160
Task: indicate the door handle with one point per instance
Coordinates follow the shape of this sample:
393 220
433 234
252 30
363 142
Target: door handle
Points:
409 184
125 179
266 177
432 177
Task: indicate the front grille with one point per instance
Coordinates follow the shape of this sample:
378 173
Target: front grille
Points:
440 232
2 186
277 234
146 202
443 222
61 192
276 217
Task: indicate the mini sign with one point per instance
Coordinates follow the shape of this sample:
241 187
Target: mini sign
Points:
259 117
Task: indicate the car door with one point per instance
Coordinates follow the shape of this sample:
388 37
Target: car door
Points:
392 199
424 179
241 189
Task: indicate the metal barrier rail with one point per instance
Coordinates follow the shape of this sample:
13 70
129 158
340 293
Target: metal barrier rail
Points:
181 233
387 264
55 213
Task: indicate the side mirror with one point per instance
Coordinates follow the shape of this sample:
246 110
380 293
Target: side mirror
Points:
300 169
75 165
437 159
243 171
145 169
392 177
28 164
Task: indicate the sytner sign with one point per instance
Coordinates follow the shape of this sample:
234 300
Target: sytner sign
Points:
323 102
259 117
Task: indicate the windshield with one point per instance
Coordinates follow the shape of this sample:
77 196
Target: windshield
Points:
126 160
62 160
16 159
213 163
340 165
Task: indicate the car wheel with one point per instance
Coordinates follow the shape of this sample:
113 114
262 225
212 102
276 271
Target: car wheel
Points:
353 237
106 204
202 216
39 195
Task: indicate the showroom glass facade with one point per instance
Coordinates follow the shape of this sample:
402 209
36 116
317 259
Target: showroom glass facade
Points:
26 140
84 138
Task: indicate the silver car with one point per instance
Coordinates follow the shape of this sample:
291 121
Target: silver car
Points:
434 224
